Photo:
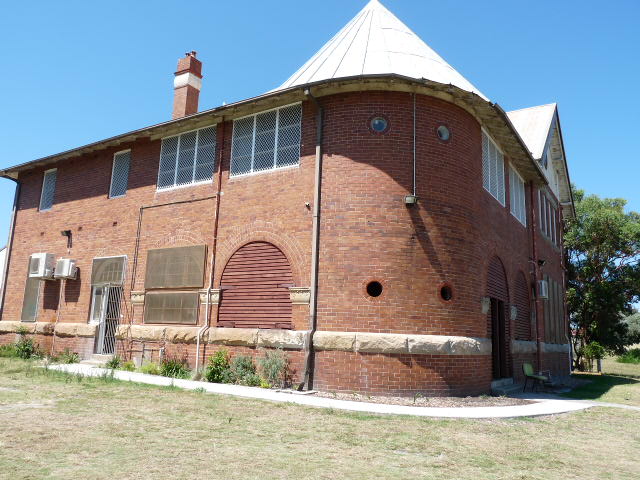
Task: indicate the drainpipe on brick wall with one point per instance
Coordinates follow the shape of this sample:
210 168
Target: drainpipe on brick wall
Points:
5 267
214 248
536 269
315 247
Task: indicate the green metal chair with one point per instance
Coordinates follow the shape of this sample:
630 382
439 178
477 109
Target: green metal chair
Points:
537 379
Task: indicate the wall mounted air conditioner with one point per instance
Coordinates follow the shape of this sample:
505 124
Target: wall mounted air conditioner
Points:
543 289
41 265
66 269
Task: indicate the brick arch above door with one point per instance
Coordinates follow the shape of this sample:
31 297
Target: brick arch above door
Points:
261 231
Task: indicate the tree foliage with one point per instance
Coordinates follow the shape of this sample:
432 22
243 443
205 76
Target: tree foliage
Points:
603 249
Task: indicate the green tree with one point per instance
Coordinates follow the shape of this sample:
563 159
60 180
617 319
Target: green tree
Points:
603 249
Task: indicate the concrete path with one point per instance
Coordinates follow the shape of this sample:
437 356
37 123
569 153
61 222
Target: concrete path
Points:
536 397
542 406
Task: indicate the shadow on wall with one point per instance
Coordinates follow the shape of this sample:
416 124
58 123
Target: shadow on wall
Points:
72 288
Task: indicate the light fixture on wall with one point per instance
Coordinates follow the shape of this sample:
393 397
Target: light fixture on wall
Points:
410 200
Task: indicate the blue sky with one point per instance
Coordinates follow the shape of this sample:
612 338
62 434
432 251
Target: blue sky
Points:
75 71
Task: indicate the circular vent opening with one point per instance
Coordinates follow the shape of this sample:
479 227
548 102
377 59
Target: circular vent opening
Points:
446 293
379 124
374 289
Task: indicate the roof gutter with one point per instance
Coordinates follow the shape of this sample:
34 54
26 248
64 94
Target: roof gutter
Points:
5 267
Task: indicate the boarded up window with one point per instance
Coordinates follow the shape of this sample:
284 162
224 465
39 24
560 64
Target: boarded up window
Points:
108 270
30 299
256 294
521 301
177 267
554 322
171 307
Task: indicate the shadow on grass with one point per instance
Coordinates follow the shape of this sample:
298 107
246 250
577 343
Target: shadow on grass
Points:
600 385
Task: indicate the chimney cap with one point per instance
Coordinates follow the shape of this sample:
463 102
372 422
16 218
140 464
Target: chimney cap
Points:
192 53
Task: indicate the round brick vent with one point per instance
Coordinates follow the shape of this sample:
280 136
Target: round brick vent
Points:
446 293
374 289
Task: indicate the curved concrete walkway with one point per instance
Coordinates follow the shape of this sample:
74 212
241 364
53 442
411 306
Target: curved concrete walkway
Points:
542 406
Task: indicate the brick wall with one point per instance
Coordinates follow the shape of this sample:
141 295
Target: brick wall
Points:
367 233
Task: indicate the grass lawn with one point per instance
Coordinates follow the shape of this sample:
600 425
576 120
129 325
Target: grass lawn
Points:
620 383
58 426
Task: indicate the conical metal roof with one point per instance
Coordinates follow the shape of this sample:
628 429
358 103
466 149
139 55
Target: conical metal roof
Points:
377 42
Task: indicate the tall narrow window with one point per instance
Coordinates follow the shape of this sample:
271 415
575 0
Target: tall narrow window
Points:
31 298
492 168
517 202
187 159
267 140
120 174
548 218
48 190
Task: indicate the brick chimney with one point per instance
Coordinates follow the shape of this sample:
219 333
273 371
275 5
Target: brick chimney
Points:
186 85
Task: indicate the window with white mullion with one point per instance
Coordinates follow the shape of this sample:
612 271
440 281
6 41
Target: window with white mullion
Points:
187 158
493 169
273 141
517 196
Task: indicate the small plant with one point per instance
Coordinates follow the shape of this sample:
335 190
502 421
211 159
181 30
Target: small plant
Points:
264 383
199 390
129 366
174 368
630 356
593 351
150 368
25 347
275 367
68 357
114 363
8 351
416 397
242 371
217 370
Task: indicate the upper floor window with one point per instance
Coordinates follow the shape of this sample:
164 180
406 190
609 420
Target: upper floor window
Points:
120 174
267 140
517 199
492 168
548 218
187 159
48 190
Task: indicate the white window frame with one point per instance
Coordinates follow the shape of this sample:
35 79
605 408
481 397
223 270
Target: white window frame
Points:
44 179
253 143
495 144
513 173
195 156
113 166
549 223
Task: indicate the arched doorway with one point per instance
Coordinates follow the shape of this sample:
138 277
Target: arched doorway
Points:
255 285
498 323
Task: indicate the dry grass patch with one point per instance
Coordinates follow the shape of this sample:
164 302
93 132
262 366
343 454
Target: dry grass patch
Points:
102 428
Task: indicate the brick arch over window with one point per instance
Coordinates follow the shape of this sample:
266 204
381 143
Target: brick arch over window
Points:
521 301
497 286
255 285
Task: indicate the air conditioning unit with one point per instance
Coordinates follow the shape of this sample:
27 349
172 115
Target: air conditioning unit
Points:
543 289
66 269
41 265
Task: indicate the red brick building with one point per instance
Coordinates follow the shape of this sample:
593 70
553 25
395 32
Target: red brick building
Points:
375 216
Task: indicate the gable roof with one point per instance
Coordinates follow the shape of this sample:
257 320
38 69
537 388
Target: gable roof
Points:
374 42
533 125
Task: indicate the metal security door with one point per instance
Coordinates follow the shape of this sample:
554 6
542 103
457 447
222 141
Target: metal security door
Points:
109 319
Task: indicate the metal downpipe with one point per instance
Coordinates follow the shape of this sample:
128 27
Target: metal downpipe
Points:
5 267
315 247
